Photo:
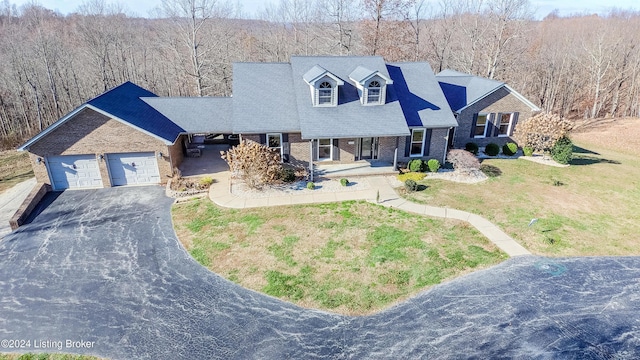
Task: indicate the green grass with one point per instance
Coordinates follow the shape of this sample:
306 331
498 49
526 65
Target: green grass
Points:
349 257
589 208
15 167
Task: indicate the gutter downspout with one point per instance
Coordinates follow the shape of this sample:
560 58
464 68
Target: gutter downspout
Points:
311 160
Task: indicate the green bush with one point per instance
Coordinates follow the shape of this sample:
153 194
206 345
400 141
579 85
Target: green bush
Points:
344 182
492 149
288 175
471 147
490 170
416 165
528 151
311 185
412 176
411 185
562 151
206 181
433 165
509 149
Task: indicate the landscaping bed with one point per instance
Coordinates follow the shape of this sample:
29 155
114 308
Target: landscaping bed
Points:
351 257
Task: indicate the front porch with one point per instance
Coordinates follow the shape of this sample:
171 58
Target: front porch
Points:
206 163
357 168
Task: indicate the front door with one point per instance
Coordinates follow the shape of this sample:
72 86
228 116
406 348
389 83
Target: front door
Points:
368 147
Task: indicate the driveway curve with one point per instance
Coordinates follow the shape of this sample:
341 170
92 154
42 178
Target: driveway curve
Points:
103 269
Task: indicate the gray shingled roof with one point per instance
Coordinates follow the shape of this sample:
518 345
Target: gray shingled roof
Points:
350 118
361 74
420 96
196 114
463 89
264 99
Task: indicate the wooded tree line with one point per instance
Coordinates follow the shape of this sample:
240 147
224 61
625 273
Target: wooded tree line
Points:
584 66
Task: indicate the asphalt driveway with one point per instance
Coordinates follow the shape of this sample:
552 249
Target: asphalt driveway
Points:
103 270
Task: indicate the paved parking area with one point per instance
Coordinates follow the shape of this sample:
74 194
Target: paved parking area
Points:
104 267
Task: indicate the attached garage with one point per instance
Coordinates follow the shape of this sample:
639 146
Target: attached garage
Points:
133 169
74 172
115 139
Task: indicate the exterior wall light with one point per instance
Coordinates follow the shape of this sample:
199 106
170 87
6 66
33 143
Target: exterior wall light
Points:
159 155
101 157
39 160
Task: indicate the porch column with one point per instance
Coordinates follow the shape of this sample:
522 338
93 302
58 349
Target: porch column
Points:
395 159
311 160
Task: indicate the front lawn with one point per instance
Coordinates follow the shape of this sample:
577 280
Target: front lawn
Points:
351 257
589 208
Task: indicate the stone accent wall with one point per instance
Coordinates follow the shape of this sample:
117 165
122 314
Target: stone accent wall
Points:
501 101
90 132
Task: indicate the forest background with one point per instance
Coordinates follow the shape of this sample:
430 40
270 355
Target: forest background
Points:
579 66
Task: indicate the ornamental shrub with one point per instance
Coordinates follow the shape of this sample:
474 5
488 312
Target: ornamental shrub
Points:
490 170
416 165
433 165
311 185
344 182
509 149
471 147
541 132
288 175
411 185
492 149
562 151
528 151
462 160
412 176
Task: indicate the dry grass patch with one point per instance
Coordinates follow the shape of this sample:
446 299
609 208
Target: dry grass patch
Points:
15 167
350 257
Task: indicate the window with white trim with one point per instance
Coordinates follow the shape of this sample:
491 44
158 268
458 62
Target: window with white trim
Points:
325 149
373 92
274 141
482 123
325 93
417 142
504 127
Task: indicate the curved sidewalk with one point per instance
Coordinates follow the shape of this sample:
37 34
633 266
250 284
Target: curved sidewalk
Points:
220 195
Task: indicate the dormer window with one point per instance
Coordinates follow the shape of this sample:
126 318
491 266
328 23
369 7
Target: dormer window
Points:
325 93
371 85
323 86
373 92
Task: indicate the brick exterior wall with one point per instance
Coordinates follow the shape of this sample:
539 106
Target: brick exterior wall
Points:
437 146
500 101
90 132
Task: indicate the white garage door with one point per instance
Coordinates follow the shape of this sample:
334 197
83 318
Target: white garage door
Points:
133 169
74 172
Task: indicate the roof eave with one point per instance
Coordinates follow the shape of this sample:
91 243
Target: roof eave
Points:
167 142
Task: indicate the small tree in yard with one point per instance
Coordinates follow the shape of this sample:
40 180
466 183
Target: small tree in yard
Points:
541 132
462 160
255 164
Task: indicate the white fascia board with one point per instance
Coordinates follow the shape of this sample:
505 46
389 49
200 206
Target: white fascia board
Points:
50 128
130 124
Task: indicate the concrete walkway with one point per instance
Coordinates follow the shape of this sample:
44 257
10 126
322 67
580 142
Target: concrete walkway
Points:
10 201
221 195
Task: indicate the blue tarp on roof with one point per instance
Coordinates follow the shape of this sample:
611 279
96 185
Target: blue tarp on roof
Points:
124 102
